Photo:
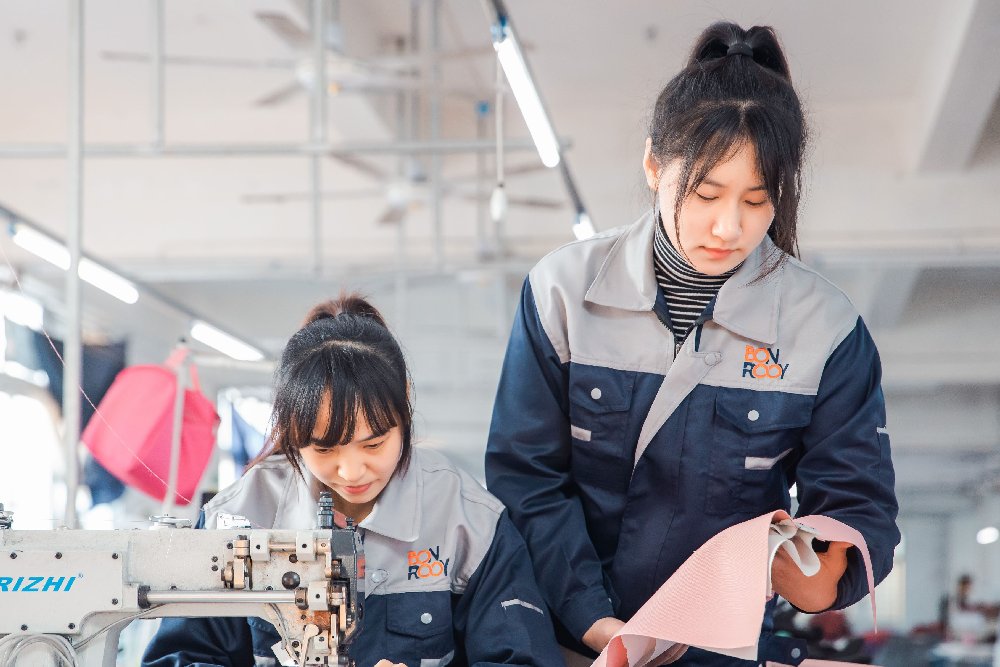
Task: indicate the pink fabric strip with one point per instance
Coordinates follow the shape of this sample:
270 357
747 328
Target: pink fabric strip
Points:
715 600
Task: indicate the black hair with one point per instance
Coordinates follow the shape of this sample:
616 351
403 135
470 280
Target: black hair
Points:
735 90
345 354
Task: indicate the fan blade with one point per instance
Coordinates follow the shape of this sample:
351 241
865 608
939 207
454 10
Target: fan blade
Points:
516 170
280 95
289 197
286 30
359 164
393 214
202 61
528 202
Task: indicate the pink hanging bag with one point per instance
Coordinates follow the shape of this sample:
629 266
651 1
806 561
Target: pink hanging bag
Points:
134 423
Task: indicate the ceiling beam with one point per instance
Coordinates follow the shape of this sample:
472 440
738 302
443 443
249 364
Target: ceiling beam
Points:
962 89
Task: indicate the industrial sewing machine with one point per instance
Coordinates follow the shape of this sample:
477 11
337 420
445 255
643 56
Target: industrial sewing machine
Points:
65 595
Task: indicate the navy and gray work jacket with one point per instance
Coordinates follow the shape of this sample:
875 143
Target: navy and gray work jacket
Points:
476 604
617 457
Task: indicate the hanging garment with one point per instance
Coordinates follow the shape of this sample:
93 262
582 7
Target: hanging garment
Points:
131 435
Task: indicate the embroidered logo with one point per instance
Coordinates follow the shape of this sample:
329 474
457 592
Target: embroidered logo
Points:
762 362
427 563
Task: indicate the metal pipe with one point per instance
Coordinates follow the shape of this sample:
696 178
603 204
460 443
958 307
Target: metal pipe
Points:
317 134
73 345
14 151
437 195
231 596
176 435
156 62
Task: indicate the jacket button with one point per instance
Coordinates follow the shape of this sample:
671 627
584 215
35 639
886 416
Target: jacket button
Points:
796 653
595 393
378 576
713 358
753 415
426 618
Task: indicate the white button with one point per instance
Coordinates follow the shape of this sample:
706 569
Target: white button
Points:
378 576
595 393
753 415
796 652
426 618
713 358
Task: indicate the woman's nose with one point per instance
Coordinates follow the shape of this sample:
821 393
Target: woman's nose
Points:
727 226
350 468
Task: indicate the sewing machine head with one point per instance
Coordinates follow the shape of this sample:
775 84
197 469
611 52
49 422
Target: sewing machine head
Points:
61 589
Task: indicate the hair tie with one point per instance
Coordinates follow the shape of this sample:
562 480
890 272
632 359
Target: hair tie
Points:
740 49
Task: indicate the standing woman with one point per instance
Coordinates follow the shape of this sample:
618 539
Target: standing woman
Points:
343 422
668 379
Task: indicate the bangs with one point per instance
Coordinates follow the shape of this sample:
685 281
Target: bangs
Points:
333 377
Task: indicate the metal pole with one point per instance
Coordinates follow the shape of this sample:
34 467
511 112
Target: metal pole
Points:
244 597
73 350
156 62
435 113
176 435
45 151
317 124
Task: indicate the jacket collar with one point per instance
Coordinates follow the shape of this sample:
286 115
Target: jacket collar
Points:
396 514
746 306
626 279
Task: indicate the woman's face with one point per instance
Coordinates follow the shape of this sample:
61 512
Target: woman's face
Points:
358 471
724 219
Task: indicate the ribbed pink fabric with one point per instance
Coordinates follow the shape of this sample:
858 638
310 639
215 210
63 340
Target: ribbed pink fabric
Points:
715 600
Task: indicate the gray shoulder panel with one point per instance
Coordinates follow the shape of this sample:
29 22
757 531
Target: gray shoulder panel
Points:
559 282
255 496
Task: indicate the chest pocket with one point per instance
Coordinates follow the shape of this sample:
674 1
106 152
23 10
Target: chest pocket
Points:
419 628
600 402
755 437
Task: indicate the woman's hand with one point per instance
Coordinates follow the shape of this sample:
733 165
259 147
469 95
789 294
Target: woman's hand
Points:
810 594
601 632
386 663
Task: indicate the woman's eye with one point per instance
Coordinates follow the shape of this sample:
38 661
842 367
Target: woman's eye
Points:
374 445
756 203
705 197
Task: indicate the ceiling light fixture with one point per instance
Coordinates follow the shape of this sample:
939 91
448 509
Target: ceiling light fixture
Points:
55 253
583 228
519 77
988 535
224 343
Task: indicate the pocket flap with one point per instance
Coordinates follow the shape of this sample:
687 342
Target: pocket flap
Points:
762 411
601 390
419 614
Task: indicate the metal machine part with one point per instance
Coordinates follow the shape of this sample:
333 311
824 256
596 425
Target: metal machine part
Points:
6 518
69 593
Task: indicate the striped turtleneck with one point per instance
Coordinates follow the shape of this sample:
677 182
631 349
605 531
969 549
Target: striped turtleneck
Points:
687 291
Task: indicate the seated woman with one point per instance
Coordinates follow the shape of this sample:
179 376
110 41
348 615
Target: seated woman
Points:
342 422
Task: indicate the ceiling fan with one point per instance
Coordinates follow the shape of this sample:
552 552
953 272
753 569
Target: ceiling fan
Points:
344 73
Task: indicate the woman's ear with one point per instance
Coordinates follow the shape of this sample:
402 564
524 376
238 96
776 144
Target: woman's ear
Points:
650 166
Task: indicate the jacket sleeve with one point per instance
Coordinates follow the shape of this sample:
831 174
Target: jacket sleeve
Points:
846 470
200 642
500 618
528 469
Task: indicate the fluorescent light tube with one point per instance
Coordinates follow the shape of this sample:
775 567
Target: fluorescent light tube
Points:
56 253
42 246
583 228
988 535
224 343
108 281
516 70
